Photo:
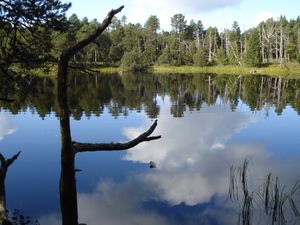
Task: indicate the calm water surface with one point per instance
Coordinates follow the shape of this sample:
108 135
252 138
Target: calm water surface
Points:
207 123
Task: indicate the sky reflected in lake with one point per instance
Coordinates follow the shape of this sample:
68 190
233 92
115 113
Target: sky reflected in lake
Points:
190 183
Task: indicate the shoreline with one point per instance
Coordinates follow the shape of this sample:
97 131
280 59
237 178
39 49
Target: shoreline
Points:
291 70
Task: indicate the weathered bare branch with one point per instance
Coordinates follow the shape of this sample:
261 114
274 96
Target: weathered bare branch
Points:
93 147
5 163
12 159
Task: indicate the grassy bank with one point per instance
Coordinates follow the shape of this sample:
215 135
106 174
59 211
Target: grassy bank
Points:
292 70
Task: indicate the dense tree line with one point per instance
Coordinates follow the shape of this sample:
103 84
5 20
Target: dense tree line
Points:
41 38
136 47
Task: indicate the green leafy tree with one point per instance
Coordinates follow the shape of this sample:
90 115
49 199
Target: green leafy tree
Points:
172 55
199 58
152 25
178 24
252 54
151 51
27 26
116 50
221 57
134 61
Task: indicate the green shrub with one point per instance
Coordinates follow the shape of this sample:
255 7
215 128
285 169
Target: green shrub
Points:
134 61
199 58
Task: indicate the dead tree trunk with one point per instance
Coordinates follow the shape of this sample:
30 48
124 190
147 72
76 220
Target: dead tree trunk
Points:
281 46
68 192
5 163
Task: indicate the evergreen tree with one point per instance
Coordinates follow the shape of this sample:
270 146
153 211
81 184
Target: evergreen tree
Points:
199 58
27 26
252 54
221 57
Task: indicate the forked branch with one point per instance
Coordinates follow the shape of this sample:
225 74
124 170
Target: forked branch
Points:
5 163
94 147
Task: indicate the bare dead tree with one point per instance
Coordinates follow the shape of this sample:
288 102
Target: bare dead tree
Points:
68 192
5 163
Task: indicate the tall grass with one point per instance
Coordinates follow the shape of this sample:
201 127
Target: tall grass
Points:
273 200
272 70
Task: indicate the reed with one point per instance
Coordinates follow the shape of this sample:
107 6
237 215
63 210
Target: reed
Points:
277 200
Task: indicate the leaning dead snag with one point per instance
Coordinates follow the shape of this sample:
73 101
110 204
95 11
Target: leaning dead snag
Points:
68 192
5 163
93 147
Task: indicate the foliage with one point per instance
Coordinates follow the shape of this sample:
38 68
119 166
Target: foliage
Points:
134 61
42 32
26 28
252 54
221 57
199 58
91 94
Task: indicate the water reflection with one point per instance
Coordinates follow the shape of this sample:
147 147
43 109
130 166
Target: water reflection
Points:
89 95
6 127
207 123
191 181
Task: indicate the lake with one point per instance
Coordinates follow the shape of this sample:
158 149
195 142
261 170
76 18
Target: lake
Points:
212 127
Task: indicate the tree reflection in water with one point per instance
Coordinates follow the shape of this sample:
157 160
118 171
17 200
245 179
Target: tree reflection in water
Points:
120 94
89 95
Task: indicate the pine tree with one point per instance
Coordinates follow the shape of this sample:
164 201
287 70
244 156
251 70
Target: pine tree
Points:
199 58
252 54
221 57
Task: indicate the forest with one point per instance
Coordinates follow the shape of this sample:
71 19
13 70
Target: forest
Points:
136 47
37 35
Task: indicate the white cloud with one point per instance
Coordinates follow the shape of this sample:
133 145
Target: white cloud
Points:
262 16
183 140
195 153
192 5
193 157
140 10
114 203
6 126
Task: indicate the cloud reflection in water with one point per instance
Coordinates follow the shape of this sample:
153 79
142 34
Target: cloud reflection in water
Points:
6 126
191 181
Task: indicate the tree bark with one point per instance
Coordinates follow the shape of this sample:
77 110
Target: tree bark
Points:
92 147
68 192
5 163
281 45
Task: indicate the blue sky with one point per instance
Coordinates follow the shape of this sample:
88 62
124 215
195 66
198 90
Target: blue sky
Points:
219 13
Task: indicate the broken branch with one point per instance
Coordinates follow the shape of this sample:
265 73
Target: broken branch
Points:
5 163
94 147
